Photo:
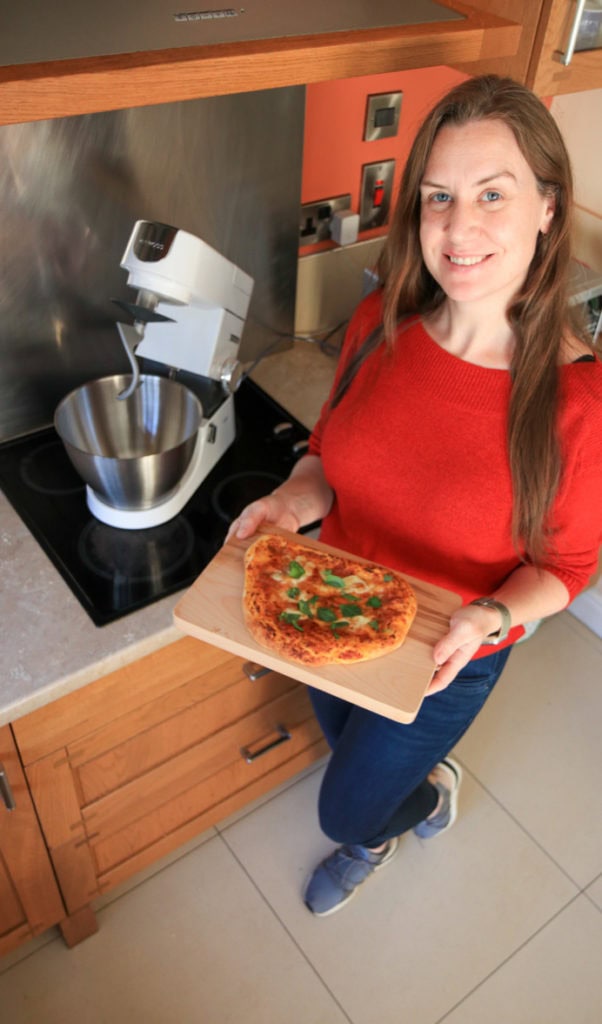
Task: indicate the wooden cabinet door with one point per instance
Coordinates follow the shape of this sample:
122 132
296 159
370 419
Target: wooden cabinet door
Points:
30 901
137 763
547 75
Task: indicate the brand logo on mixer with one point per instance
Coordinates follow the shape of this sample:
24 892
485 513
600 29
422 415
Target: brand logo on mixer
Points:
153 245
224 12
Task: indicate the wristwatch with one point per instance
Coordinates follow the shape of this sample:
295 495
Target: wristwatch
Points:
502 632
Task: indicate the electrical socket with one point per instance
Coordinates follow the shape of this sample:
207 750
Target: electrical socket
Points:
316 217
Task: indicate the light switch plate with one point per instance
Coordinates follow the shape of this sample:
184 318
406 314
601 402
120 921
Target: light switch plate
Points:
383 107
376 192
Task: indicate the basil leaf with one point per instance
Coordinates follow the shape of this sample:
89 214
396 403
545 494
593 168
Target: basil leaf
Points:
332 580
305 609
337 625
327 615
374 624
292 619
374 602
350 610
293 592
296 570
387 578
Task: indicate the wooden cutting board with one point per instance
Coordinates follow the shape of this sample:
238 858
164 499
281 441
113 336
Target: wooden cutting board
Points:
393 685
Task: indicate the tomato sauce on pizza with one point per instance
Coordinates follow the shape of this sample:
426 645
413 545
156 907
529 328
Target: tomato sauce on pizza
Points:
319 608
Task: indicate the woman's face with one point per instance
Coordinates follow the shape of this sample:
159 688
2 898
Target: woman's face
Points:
481 213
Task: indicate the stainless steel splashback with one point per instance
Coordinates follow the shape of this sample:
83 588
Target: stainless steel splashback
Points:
227 169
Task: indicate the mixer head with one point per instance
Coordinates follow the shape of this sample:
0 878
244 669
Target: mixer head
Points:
192 302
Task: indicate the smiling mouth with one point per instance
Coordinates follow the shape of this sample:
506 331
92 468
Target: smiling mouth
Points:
466 261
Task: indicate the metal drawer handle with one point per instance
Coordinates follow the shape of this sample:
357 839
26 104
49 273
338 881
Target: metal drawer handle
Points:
567 56
283 736
254 672
5 791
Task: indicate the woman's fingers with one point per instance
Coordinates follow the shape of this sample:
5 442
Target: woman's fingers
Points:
467 630
448 670
271 509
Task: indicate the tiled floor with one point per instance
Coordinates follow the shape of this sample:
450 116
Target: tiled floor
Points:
497 922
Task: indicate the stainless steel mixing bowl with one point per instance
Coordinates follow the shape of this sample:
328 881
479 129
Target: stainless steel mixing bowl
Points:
132 452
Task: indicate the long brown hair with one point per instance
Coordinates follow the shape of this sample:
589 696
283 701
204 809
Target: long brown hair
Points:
539 313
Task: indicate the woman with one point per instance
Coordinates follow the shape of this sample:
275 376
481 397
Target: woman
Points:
462 444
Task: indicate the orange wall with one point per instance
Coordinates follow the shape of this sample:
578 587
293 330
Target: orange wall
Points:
334 150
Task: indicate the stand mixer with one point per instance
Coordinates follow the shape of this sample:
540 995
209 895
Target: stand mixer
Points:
189 316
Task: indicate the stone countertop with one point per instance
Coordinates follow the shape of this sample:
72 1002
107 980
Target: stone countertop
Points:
48 645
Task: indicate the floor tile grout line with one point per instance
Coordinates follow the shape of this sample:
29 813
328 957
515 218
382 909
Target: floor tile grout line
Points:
520 825
286 929
217 833
591 900
222 828
112 899
508 958
584 892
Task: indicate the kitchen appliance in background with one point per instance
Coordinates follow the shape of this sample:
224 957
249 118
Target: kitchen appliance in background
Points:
142 448
227 168
113 571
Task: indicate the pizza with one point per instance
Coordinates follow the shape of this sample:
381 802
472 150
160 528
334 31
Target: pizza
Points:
322 608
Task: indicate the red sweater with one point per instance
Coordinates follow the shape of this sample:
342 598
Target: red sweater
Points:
416 453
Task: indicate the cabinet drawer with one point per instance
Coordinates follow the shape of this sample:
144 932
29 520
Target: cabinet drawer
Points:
112 758
132 766
203 760
108 815
215 779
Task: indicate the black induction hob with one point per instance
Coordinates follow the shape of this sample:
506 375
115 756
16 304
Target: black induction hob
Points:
113 571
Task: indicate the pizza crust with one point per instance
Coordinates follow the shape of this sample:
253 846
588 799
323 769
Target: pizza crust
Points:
319 608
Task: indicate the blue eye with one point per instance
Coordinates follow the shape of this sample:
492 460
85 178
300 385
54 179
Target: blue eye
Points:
491 195
440 197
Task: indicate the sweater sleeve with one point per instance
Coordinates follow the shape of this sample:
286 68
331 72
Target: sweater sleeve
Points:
366 317
577 515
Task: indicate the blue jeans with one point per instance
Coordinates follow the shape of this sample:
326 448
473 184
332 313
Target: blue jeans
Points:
375 785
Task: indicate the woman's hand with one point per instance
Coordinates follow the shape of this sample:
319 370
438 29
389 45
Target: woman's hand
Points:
468 627
272 509
302 499
528 593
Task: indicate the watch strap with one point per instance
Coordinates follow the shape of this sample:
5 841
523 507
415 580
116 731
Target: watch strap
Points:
502 632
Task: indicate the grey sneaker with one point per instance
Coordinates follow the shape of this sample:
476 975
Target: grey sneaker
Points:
337 878
446 777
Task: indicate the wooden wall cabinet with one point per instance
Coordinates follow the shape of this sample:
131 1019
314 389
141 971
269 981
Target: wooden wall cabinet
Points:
31 92
547 76
545 30
130 767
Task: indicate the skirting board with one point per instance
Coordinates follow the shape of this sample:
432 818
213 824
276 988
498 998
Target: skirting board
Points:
588 609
